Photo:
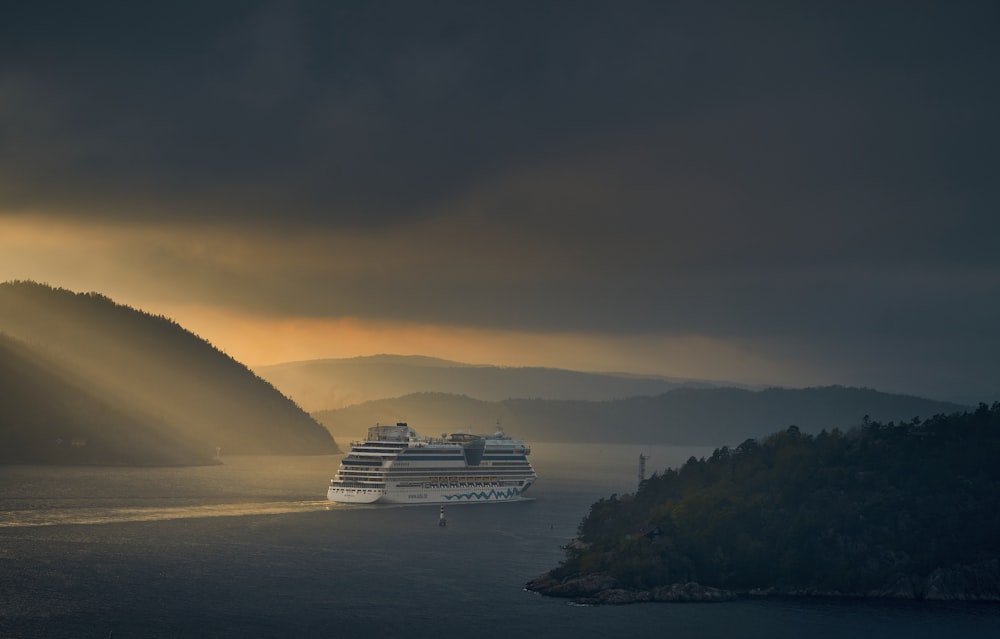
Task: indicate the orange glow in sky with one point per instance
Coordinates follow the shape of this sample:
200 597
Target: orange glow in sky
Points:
260 341
163 270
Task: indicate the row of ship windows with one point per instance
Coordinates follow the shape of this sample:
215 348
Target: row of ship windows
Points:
423 473
434 451
445 471
458 451
461 480
355 484
418 481
452 484
370 461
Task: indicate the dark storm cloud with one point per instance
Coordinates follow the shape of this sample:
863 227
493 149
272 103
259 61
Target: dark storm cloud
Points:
764 119
375 109
825 173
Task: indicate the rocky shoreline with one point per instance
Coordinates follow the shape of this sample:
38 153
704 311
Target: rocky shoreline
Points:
603 589
979 581
975 582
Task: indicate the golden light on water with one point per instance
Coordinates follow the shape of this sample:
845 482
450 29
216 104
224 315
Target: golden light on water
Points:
100 515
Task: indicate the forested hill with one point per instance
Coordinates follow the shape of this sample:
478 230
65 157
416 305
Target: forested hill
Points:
902 510
122 386
45 418
708 416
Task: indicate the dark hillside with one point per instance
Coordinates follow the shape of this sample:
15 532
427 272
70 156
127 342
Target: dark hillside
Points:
722 415
904 510
712 416
146 365
45 418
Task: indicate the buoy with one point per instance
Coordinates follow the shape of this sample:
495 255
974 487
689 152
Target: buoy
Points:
441 520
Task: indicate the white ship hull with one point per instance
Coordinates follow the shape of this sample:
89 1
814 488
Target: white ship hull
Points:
354 495
394 465
457 495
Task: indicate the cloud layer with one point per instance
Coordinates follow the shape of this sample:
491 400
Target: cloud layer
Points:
812 187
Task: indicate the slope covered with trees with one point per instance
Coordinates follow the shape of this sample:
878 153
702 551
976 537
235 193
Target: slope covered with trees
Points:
685 416
887 509
162 383
46 418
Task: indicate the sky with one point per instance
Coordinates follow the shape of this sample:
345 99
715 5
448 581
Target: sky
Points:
771 193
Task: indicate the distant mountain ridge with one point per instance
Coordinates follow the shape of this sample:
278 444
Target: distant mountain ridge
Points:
684 416
329 384
123 386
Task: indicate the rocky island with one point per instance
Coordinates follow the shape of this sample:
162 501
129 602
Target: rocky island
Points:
885 510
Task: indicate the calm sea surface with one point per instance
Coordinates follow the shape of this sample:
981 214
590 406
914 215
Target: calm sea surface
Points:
252 549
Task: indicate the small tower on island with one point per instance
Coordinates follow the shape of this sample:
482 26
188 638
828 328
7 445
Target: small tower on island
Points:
642 468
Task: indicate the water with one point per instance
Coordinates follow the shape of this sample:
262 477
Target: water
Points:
251 549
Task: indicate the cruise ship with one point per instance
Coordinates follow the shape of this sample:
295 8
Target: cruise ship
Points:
395 465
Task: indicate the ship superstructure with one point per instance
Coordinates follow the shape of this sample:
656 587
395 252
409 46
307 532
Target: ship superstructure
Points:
396 465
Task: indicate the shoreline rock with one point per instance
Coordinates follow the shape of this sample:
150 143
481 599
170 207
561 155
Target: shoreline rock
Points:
603 589
964 582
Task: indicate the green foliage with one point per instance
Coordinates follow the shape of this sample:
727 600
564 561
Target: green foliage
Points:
834 512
